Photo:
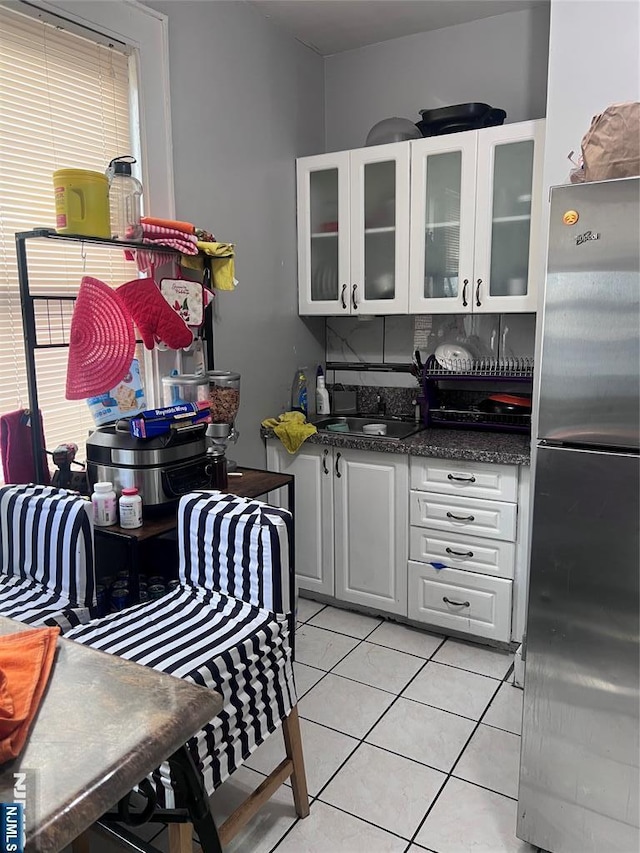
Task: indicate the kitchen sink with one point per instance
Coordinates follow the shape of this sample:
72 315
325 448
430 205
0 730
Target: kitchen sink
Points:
397 428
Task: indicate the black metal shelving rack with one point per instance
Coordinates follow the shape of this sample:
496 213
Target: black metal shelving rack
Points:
62 306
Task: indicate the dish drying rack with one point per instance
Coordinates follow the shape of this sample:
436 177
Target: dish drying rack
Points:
520 368
504 370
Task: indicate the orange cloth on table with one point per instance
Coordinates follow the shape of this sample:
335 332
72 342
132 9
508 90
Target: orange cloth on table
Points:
187 227
26 659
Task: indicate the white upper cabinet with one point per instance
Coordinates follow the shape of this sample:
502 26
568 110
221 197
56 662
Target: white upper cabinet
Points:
508 210
448 225
443 187
379 181
353 231
475 210
323 234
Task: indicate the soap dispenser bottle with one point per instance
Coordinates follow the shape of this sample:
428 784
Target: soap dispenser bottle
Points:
299 394
322 395
125 193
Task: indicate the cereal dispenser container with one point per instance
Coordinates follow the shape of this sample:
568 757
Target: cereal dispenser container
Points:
224 400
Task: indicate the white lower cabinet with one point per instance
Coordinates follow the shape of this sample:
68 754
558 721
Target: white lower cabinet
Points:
443 543
459 600
463 545
312 467
371 526
469 553
352 521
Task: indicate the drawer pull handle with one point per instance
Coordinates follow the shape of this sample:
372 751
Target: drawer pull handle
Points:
461 479
461 517
456 603
459 553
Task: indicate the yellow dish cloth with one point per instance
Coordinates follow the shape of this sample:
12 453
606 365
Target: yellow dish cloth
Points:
291 428
221 260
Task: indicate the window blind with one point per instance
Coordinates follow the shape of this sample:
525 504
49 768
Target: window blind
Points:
64 103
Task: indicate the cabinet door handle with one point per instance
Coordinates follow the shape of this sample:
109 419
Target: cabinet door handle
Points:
464 292
471 479
338 474
344 304
456 603
478 283
324 462
353 297
461 517
459 553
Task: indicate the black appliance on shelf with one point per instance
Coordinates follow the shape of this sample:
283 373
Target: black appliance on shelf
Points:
463 395
459 117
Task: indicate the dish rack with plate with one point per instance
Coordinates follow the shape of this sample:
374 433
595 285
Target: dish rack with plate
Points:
476 375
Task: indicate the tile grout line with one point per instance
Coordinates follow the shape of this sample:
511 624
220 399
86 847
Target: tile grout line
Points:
455 763
397 696
362 739
293 825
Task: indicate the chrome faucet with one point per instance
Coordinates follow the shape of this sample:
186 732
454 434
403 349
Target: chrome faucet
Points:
381 406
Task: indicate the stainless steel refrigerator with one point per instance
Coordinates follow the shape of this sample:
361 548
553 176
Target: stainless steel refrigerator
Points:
580 744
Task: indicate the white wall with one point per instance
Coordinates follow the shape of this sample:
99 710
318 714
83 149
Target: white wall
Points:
246 100
594 61
501 61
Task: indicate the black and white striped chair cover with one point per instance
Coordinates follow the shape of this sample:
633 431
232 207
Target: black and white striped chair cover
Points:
46 552
226 627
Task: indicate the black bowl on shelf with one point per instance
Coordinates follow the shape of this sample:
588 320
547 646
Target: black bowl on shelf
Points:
459 117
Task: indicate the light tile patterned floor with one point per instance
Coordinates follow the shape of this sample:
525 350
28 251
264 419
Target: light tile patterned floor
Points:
411 743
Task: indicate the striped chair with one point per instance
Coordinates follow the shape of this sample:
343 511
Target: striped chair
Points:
46 552
227 627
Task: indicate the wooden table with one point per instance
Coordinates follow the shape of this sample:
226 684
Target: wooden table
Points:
103 725
252 483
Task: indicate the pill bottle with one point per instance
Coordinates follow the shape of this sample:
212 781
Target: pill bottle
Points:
103 500
130 505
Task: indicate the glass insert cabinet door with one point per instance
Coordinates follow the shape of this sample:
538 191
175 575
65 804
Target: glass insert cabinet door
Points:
509 180
442 214
511 218
380 229
323 234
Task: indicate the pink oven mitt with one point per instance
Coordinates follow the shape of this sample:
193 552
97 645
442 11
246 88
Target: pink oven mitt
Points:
152 314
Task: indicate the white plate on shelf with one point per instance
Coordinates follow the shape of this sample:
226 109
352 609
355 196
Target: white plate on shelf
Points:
454 357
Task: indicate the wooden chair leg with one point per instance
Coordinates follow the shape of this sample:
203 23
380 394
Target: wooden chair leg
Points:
180 838
293 747
81 844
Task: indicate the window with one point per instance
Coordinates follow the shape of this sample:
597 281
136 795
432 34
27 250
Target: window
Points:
64 102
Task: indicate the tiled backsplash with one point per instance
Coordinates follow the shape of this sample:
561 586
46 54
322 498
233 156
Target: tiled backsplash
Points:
393 340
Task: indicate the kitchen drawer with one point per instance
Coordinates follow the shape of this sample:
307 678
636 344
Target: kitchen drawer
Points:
457 477
492 519
469 553
484 603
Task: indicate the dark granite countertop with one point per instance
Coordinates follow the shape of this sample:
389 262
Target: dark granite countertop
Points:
103 724
474 445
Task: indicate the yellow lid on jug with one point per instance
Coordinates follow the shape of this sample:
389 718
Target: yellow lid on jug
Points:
82 202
